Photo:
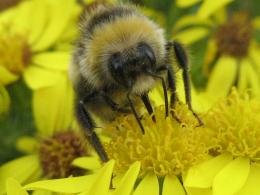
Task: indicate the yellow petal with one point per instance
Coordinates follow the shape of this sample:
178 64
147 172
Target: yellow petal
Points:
243 77
7 17
191 35
37 78
220 16
253 182
222 77
190 20
88 163
186 3
211 53
14 188
149 185
156 96
38 19
202 175
56 24
6 77
199 191
172 185
127 183
41 192
102 183
21 24
53 107
256 22
254 55
66 185
4 100
52 60
253 79
209 7
27 144
232 177
20 169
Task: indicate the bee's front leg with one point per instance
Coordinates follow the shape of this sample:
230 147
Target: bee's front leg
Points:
88 125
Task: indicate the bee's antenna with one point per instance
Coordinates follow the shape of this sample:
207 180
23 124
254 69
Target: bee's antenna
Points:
164 92
135 113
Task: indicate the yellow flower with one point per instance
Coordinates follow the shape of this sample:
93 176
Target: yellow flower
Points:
49 157
207 7
234 165
141 161
4 100
55 146
29 35
232 55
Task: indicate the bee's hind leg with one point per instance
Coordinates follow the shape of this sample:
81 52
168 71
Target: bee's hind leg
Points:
87 123
182 61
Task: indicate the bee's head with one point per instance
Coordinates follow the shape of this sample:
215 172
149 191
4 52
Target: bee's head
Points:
126 66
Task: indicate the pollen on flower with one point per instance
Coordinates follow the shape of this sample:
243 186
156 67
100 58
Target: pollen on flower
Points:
236 126
166 148
58 152
15 53
233 38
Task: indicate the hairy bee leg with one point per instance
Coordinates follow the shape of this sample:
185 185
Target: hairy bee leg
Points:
87 124
135 113
164 92
147 103
182 60
172 87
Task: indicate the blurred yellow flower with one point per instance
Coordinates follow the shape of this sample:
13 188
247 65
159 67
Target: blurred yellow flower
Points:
234 166
29 34
4 100
49 157
232 55
206 8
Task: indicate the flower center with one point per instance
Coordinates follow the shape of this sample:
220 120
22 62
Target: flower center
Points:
233 38
15 53
58 152
5 4
235 123
166 148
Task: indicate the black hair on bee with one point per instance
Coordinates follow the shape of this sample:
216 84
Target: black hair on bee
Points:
119 57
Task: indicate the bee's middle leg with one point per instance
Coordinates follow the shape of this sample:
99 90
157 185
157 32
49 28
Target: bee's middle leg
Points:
172 88
147 104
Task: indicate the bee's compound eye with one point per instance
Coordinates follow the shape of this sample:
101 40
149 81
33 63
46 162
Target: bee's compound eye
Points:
116 60
118 70
147 54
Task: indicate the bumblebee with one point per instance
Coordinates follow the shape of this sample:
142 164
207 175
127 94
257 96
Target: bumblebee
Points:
118 58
